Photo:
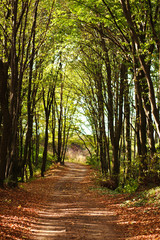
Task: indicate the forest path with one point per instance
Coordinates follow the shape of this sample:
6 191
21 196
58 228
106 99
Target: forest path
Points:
71 211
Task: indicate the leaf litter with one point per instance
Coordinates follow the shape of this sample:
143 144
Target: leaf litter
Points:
19 208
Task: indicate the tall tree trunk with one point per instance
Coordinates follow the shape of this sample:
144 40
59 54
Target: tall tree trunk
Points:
44 159
118 126
30 101
6 129
14 102
60 122
148 113
137 40
142 126
30 109
47 107
127 125
29 159
137 128
53 128
37 138
114 133
101 127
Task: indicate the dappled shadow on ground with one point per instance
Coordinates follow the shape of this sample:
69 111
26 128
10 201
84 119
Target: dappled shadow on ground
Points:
75 223
74 213
142 222
61 206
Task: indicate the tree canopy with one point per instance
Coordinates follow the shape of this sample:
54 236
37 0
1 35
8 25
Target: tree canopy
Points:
60 60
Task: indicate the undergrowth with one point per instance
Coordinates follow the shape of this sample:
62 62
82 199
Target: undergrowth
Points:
151 196
93 162
135 196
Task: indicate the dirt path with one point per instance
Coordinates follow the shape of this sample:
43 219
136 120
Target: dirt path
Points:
71 211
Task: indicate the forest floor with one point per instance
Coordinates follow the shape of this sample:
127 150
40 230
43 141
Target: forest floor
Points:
67 204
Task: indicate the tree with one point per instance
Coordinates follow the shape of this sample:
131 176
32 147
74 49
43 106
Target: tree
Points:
47 107
6 120
139 30
19 46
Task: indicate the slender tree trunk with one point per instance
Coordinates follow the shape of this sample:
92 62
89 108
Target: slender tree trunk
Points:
108 155
21 135
118 127
47 108
137 127
101 123
27 150
29 159
137 40
37 138
127 125
44 159
60 122
53 129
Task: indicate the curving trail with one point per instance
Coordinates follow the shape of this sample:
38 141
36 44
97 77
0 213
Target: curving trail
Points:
71 211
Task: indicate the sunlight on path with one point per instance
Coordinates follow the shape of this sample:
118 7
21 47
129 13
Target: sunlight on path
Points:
73 213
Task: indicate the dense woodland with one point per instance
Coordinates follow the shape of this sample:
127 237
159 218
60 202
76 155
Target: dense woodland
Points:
67 64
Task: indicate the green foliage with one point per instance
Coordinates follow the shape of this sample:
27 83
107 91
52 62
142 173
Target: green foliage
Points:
71 50
100 181
103 190
151 196
50 161
130 186
93 161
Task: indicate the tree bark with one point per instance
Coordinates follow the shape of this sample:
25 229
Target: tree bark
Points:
47 108
6 129
127 124
141 57
142 140
101 123
44 159
37 138
53 128
60 119
118 127
115 132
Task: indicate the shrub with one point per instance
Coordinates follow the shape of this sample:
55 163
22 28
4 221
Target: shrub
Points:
93 161
130 186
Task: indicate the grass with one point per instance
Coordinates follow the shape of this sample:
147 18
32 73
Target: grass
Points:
150 197
135 197
103 190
